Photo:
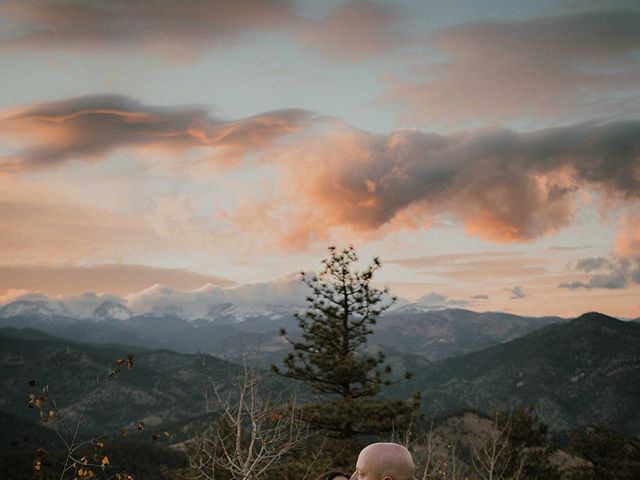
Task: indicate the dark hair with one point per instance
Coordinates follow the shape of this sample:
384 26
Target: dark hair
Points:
332 475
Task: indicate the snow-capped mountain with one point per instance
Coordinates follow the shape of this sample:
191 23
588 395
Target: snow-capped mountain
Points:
237 313
225 312
44 309
413 309
111 310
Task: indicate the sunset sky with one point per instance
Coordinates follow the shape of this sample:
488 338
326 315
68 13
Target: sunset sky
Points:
488 152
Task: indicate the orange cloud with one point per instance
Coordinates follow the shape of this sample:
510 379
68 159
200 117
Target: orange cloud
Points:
39 223
114 279
88 128
502 185
38 231
627 241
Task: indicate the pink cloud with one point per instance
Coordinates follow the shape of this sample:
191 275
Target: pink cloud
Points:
501 185
119 279
558 66
180 30
627 241
355 29
36 230
476 267
182 27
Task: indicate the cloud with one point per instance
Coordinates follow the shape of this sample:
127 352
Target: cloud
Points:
90 127
480 297
182 30
61 221
33 230
449 259
502 185
85 304
565 66
565 248
516 292
117 279
436 300
355 29
164 26
288 292
627 243
192 302
198 302
589 264
609 273
329 179
476 266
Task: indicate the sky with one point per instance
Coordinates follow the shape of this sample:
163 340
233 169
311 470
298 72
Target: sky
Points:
487 152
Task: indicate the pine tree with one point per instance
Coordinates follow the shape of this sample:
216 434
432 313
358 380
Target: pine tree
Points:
331 355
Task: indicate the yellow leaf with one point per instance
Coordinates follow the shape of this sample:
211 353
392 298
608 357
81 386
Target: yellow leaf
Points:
105 460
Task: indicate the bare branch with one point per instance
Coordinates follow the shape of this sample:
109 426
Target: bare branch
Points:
251 433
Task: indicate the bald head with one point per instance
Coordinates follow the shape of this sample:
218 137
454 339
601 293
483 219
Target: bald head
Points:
380 461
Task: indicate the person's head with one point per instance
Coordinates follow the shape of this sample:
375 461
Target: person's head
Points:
333 476
384 461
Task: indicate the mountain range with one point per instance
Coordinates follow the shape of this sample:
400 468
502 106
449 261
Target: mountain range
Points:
582 372
579 372
228 330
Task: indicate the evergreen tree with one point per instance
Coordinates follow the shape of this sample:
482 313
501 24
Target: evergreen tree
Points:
527 445
331 355
608 455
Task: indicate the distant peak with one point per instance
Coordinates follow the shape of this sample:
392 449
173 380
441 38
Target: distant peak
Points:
111 310
38 308
596 318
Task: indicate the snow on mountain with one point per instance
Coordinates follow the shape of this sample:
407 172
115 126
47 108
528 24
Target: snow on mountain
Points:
35 308
168 311
111 310
238 313
414 308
